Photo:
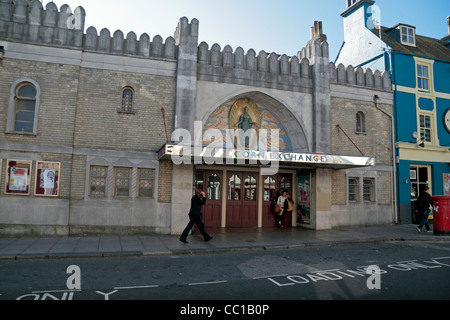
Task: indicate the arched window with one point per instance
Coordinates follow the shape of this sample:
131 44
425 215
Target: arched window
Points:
214 187
360 122
23 107
127 100
250 188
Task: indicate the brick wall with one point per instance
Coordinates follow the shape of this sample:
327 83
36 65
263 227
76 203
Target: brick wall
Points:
100 126
375 142
57 100
165 181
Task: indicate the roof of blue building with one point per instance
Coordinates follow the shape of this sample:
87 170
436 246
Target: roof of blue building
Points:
424 46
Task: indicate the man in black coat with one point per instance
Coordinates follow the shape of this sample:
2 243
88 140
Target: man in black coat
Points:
424 202
195 216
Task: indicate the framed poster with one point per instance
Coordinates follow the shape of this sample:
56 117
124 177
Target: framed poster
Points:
47 179
304 199
18 177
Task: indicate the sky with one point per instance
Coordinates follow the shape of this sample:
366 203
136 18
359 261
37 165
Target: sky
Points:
281 26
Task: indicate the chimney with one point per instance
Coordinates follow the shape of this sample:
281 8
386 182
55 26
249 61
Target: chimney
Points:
316 31
448 24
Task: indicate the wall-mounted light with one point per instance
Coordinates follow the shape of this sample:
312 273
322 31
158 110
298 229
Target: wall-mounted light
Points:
415 135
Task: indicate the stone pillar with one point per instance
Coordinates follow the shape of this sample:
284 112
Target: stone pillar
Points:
319 59
186 38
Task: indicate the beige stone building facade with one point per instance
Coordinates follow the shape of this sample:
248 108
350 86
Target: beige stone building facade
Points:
89 124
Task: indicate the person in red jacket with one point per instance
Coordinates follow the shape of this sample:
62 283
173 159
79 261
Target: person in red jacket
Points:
195 216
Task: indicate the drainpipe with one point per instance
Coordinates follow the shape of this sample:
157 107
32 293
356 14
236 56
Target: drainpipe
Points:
376 100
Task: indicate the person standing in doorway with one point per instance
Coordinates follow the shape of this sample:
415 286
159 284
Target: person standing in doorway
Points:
423 203
195 216
282 202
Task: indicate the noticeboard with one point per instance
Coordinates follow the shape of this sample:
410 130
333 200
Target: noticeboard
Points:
18 177
47 179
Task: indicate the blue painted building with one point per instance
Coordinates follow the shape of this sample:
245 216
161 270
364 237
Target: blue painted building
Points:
420 70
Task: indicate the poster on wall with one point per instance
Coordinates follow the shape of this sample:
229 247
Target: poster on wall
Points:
47 179
303 199
446 184
18 177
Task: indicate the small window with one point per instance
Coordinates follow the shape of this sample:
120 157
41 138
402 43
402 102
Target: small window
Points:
213 187
353 189
234 187
425 128
122 177
407 35
368 190
127 100
360 122
25 108
423 77
146 182
98 181
250 188
269 189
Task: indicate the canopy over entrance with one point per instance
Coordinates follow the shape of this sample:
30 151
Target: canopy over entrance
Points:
214 155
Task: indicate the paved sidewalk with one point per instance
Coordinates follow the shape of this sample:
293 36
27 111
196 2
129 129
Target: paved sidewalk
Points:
147 245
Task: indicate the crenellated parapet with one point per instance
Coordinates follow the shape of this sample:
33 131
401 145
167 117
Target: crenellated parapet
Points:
27 21
263 69
272 63
360 77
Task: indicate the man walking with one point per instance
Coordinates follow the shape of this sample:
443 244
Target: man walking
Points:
423 205
195 216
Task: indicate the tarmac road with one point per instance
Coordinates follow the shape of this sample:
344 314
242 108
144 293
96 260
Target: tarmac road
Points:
407 270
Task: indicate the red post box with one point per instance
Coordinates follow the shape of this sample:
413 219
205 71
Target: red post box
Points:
441 213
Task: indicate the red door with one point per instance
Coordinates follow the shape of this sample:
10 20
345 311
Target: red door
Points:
242 199
269 199
211 183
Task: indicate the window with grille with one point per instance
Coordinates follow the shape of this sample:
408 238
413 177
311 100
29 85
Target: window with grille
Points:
98 181
368 190
127 100
146 182
353 189
122 177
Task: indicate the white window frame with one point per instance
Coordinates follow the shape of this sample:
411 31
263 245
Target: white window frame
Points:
408 35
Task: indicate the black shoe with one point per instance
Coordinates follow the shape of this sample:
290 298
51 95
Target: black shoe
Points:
209 238
184 241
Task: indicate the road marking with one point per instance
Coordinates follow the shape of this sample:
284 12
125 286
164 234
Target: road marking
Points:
275 275
50 291
205 283
136 287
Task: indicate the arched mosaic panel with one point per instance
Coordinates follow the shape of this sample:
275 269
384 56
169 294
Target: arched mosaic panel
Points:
222 127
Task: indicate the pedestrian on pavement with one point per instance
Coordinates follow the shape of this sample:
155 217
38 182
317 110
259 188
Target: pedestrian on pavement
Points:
195 216
423 206
282 202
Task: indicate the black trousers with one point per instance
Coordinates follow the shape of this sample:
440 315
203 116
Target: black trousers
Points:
197 220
